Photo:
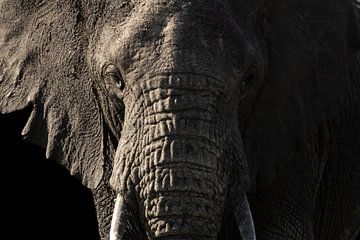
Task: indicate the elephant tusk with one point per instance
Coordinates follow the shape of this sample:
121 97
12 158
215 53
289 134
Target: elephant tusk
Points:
119 219
244 219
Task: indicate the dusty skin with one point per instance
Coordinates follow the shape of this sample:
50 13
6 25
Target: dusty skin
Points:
187 119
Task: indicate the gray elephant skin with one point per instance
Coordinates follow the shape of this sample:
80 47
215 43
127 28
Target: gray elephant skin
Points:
195 119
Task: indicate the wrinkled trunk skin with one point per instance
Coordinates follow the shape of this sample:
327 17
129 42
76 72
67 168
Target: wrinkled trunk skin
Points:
171 158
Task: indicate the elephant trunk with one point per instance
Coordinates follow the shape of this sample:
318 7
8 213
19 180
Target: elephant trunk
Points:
182 194
181 186
173 157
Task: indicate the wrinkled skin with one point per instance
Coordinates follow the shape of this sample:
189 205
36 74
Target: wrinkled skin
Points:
182 108
177 157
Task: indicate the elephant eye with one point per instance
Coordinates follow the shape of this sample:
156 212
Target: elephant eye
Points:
112 74
247 82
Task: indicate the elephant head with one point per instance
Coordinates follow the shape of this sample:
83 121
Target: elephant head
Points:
177 73
156 97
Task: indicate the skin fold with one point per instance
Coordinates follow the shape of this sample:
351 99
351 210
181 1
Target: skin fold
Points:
195 119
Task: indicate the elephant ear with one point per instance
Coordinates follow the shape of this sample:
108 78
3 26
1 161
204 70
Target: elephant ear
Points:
42 62
310 44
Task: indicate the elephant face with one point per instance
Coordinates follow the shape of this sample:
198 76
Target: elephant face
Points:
179 74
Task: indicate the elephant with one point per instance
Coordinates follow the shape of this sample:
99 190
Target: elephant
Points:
192 119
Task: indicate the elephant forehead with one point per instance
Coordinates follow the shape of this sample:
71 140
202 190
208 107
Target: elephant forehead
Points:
168 26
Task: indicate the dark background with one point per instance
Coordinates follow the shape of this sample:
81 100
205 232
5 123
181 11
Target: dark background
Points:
41 200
